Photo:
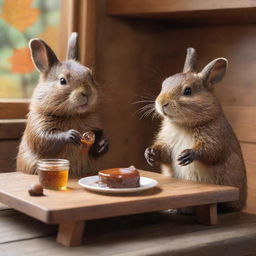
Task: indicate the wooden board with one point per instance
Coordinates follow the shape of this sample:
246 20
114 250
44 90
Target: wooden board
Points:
185 12
13 108
249 151
79 16
12 128
158 233
8 153
17 226
133 7
76 204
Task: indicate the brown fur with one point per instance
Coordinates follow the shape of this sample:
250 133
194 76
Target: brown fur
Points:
195 140
57 110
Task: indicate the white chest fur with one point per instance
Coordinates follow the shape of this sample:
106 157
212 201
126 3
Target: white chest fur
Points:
177 140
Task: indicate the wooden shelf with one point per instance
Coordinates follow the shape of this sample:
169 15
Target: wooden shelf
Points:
196 11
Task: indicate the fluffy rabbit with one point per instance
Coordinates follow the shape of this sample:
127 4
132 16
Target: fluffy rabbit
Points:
64 105
195 141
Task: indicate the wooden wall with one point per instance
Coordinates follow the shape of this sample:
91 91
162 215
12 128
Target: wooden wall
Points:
12 124
134 55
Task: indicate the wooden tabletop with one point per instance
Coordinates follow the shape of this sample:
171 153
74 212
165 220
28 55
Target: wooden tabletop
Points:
159 233
76 203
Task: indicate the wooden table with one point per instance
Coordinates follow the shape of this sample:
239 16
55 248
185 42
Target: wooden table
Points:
70 208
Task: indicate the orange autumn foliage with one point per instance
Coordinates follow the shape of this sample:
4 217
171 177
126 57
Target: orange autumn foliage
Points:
19 13
21 61
51 36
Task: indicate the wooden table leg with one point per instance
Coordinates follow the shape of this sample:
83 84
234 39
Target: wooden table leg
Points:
207 214
70 233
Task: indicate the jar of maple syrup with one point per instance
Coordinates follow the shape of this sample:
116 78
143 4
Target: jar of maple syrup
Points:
53 173
88 138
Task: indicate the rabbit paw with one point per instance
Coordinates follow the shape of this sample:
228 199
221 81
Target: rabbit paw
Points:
100 146
152 156
73 136
186 157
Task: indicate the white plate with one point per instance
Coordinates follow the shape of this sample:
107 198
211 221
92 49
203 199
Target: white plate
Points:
90 183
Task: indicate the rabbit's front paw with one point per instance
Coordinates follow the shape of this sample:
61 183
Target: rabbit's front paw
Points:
73 136
186 157
100 146
152 156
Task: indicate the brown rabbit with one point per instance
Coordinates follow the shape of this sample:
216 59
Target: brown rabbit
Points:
195 141
64 105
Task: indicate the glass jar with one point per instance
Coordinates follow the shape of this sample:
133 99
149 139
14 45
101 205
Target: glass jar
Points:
53 173
87 141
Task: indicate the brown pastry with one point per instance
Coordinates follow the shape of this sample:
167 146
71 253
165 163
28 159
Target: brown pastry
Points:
119 178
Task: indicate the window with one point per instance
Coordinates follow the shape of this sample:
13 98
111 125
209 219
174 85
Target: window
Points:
53 21
21 20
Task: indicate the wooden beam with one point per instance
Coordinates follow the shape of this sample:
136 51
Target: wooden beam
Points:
79 16
68 20
249 151
87 32
12 128
13 108
8 153
133 7
184 12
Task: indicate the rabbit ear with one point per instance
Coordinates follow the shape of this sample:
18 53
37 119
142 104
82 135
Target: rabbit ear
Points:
42 55
214 72
190 62
72 52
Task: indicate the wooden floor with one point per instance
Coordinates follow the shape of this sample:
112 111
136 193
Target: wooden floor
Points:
145 234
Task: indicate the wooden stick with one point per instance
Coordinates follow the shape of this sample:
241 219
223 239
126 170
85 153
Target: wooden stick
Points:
207 214
70 233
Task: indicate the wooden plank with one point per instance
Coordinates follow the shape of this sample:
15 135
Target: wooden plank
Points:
8 153
133 7
12 128
17 226
64 30
243 121
87 32
249 151
151 234
80 16
14 108
70 233
76 203
194 12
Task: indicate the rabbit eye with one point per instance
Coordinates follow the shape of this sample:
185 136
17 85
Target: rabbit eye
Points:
187 91
63 81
